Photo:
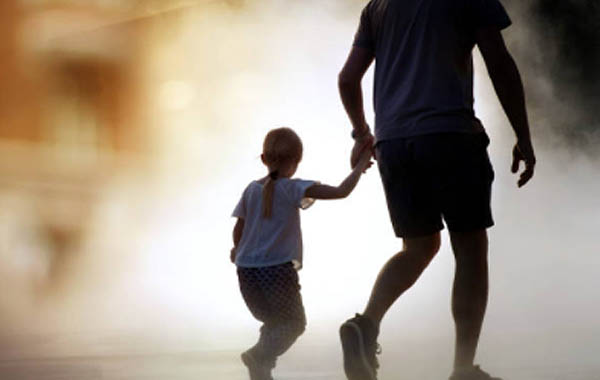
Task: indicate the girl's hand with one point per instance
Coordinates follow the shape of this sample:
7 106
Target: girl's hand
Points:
364 161
232 255
320 191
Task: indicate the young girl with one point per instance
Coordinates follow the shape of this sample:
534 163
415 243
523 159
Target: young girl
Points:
268 246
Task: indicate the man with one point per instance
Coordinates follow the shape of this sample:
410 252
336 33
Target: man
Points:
432 154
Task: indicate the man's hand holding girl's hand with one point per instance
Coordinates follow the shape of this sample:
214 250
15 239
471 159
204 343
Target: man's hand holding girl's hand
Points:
364 160
365 143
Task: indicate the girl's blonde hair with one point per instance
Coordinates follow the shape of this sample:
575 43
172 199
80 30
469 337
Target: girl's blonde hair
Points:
282 146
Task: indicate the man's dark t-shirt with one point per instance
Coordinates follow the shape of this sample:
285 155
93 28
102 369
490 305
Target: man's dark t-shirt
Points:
423 62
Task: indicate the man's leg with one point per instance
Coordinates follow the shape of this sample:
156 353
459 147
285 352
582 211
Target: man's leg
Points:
359 334
400 273
470 292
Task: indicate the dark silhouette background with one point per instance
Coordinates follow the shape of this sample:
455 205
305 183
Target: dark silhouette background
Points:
562 46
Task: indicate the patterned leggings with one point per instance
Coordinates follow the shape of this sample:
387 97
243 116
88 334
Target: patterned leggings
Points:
273 296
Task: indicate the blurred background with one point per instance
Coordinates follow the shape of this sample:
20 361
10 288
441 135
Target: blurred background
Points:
129 129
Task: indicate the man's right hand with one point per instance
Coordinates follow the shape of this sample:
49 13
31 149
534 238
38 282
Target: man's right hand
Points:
364 161
523 151
367 141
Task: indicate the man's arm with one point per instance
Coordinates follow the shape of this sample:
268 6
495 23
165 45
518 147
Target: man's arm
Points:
349 80
508 85
349 84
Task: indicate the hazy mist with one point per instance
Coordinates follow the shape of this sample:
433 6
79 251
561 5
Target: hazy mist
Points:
150 272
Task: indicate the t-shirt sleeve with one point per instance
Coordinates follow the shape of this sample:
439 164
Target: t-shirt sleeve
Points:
297 191
488 14
364 35
240 209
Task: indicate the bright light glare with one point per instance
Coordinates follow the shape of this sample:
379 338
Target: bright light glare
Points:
282 83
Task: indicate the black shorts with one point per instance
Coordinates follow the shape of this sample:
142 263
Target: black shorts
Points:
430 177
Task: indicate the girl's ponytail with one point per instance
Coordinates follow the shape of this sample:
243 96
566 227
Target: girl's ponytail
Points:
281 147
267 194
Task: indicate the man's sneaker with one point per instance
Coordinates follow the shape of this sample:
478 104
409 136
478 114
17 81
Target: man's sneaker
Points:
472 373
359 344
256 370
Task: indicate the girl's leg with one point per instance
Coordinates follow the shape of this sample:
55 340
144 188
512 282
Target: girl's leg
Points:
286 320
273 296
250 287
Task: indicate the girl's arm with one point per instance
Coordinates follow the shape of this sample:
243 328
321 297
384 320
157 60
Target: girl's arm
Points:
319 191
237 236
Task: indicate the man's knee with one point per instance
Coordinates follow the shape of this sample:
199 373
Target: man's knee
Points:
470 246
425 247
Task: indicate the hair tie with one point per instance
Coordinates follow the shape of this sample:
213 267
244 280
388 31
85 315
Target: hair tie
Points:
274 174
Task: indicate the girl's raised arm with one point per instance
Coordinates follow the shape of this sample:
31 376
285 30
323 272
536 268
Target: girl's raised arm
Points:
319 191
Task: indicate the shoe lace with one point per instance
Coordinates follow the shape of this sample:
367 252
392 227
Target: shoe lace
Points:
377 351
373 349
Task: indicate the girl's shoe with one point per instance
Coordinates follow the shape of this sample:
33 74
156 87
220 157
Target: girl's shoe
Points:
472 373
256 370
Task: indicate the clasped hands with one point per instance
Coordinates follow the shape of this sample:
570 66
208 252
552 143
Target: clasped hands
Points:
363 150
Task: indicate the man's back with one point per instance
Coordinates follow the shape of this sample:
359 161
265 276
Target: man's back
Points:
424 74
